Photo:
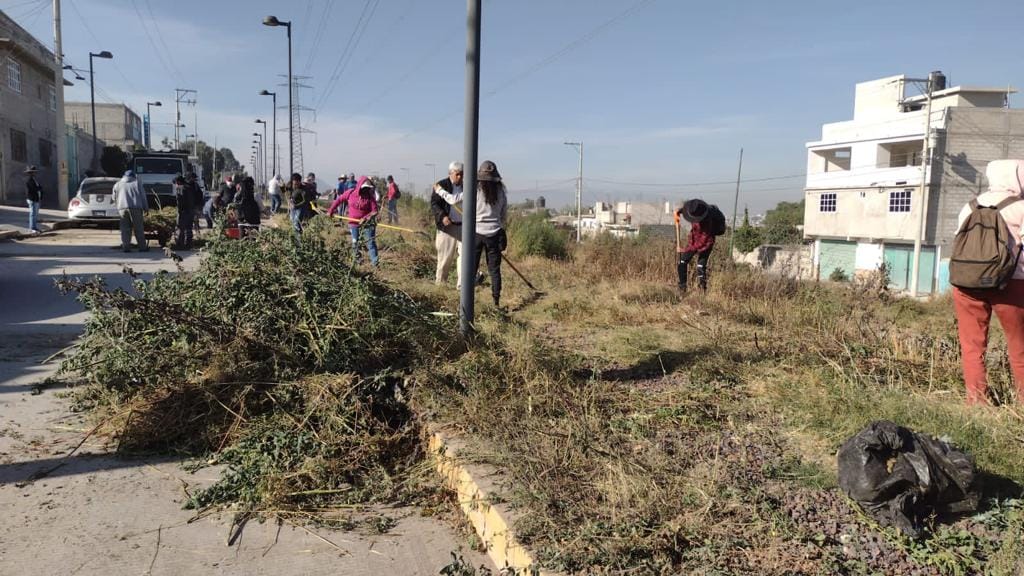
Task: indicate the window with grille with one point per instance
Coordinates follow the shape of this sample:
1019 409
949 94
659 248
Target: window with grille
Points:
53 98
45 153
899 200
14 74
827 203
19 148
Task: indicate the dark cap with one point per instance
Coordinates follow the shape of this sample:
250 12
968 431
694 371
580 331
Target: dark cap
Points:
488 172
695 210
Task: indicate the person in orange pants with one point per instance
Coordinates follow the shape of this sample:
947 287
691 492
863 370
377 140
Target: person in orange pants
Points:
974 307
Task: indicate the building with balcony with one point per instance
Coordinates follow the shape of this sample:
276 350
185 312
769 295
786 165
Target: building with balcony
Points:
29 126
864 176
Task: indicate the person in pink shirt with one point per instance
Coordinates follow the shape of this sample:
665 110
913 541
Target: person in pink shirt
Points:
974 307
362 215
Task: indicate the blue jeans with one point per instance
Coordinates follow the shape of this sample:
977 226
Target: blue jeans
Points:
296 216
370 236
275 203
33 215
392 211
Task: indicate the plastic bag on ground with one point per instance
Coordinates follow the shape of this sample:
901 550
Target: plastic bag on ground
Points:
901 477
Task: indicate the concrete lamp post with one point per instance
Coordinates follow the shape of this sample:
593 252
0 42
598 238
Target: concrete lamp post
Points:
92 99
273 21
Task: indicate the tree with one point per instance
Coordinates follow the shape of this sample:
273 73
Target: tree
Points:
747 237
780 223
113 161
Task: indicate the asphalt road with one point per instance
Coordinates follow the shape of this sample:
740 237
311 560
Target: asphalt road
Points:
99 514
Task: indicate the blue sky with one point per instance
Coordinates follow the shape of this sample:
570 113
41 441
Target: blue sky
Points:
662 97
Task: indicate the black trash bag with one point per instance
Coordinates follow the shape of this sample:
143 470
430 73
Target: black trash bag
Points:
901 477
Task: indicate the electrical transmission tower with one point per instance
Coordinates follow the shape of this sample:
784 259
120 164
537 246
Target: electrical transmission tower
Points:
297 110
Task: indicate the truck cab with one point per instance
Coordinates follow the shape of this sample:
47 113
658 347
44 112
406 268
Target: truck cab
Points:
156 172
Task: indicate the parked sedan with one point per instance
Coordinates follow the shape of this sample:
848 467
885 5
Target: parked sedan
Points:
94 200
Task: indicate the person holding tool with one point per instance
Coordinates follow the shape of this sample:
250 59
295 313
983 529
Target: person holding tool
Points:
362 215
490 221
706 222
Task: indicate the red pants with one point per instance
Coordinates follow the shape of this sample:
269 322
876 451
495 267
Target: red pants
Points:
973 312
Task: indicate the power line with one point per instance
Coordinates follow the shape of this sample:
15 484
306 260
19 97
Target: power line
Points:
152 42
353 41
319 33
160 37
540 64
85 23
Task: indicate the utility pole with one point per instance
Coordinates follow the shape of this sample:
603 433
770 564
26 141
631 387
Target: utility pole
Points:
179 95
922 203
61 132
579 190
736 204
473 10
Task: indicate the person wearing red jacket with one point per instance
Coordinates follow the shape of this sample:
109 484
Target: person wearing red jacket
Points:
699 242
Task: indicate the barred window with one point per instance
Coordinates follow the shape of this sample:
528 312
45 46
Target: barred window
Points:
827 203
19 146
14 74
45 153
899 200
53 98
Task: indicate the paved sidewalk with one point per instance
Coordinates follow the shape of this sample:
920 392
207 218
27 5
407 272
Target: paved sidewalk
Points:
15 218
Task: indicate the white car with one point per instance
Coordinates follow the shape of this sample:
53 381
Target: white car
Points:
94 200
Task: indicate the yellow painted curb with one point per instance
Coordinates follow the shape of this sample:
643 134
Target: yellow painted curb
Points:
492 522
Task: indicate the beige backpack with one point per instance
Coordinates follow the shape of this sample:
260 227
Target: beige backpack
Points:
984 255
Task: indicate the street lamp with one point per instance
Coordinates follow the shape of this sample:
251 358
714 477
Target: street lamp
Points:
260 153
256 153
92 99
264 122
273 155
273 21
149 123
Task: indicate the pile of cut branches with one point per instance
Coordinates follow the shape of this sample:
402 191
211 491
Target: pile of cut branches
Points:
274 357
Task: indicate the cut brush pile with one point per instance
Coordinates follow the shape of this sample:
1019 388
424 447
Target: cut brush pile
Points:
275 358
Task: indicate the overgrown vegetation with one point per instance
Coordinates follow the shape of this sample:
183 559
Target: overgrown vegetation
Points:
637 430
533 235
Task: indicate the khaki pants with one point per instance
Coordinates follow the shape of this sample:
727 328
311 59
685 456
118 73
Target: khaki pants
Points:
448 246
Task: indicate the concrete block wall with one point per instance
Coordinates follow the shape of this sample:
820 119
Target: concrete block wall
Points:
973 137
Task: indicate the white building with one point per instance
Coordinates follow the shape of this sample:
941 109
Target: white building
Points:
864 176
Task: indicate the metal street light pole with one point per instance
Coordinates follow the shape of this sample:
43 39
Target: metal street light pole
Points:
92 100
264 122
149 123
273 21
473 10
273 155
579 190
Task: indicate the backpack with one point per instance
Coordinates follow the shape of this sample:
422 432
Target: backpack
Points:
716 220
982 254
398 193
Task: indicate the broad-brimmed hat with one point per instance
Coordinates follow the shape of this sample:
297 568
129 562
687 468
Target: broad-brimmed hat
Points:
488 172
695 210
31 170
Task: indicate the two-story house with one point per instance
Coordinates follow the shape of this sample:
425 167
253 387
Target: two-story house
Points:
864 176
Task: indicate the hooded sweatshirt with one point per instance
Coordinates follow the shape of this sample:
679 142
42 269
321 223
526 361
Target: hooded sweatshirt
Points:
128 194
1005 180
361 202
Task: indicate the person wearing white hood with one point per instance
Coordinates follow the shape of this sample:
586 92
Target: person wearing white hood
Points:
974 306
131 201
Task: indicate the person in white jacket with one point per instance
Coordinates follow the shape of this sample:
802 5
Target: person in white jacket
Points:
130 199
974 307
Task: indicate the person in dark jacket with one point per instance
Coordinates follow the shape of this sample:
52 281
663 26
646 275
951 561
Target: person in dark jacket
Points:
33 197
699 242
185 202
296 201
248 208
227 192
448 240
